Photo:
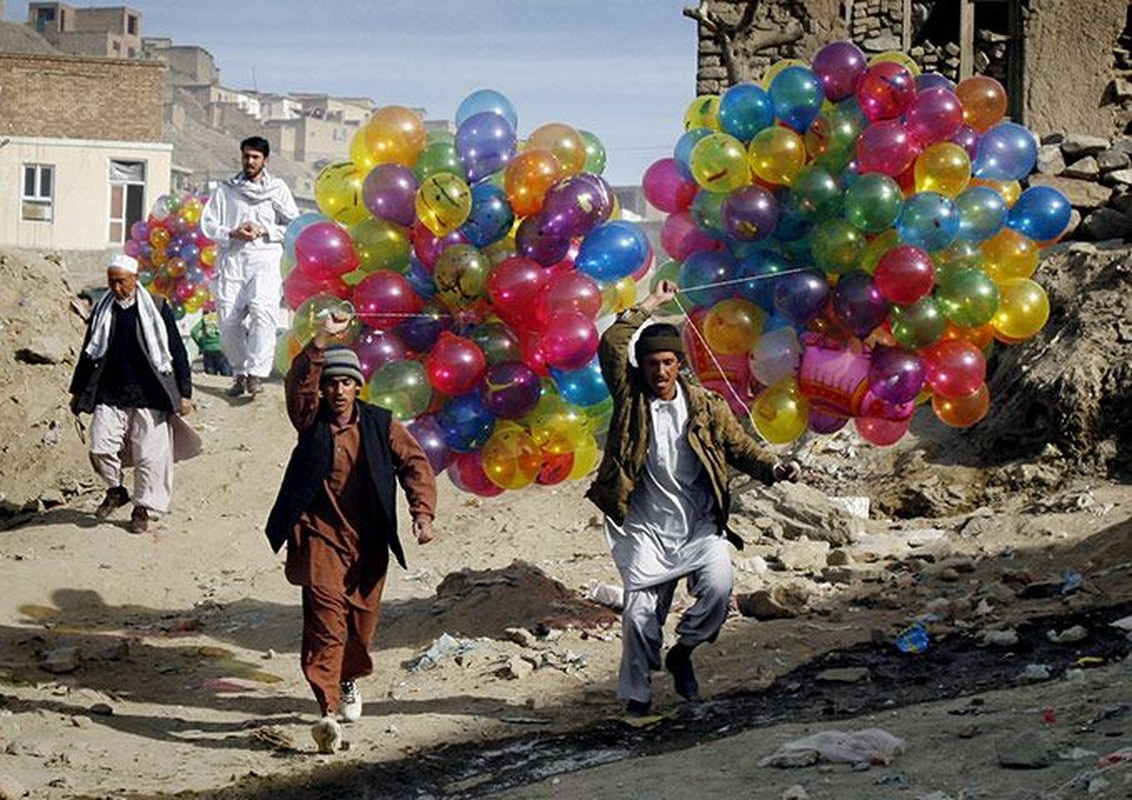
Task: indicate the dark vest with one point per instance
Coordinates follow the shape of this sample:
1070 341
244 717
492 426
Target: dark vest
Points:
310 464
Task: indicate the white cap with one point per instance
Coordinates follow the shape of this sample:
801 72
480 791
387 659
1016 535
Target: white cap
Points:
123 262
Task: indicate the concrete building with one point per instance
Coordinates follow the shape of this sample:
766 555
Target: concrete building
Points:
75 173
106 31
189 64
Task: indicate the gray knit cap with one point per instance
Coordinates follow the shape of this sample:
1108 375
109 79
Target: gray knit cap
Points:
341 360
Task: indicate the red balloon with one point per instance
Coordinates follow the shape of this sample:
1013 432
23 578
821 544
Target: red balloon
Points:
904 274
466 471
555 468
384 299
680 236
324 250
665 188
885 90
881 432
569 291
955 368
455 364
570 340
885 147
298 288
532 354
513 286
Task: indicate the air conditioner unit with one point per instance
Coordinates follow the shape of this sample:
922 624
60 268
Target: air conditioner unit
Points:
37 211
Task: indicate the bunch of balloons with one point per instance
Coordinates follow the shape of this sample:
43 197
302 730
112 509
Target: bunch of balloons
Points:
477 267
851 238
175 260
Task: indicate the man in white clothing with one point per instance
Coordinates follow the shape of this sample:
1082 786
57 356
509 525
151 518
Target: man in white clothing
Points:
247 217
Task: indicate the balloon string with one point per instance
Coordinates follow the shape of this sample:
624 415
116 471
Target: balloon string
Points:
711 353
750 279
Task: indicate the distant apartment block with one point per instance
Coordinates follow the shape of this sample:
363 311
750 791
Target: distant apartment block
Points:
106 31
189 64
75 170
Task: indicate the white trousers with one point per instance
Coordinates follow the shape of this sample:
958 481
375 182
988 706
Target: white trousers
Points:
140 437
642 622
248 289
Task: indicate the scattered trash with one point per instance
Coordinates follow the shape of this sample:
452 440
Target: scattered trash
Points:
1034 673
1115 757
913 639
795 792
855 506
1068 636
608 595
1000 638
444 647
872 745
1071 581
1049 715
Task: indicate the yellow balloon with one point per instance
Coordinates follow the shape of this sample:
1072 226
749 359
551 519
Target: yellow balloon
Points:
719 163
1009 190
585 458
395 134
780 412
626 293
558 426
443 203
777 67
733 326
338 193
565 142
381 244
1008 254
777 155
511 459
359 152
943 167
1023 308
703 112
896 56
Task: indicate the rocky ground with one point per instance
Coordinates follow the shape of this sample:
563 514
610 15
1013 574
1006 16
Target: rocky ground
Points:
165 664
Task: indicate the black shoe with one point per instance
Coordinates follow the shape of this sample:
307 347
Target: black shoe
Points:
238 387
679 663
139 520
116 497
253 385
638 708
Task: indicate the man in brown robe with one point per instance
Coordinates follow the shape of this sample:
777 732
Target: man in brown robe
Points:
336 511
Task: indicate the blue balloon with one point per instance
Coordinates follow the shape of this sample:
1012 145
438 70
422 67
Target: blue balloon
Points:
582 387
1006 152
1041 213
760 268
801 296
420 331
485 143
982 213
797 97
491 216
702 274
744 110
466 422
682 153
486 100
613 250
420 278
929 221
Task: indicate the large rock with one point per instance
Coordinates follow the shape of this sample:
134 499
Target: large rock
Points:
1081 194
798 511
1084 168
45 349
1112 159
1107 223
802 555
1050 159
1079 145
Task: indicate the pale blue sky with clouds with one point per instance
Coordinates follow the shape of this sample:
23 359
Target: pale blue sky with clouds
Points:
623 69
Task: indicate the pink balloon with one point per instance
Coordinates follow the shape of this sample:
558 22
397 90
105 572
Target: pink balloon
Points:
324 250
885 90
569 341
428 247
466 471
384 299
935 116
569 291
514 286
680 236
665 188
881 432
955 368
885 147
298 288
455 364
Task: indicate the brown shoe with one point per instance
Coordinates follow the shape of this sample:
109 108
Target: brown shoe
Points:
253 385
139 520
238 387
116 497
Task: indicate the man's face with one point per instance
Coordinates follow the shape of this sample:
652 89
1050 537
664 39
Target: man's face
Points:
122 283
660 370
252 161
340 393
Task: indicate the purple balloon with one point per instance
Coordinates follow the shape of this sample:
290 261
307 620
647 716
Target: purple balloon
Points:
431 439
537 239
510 389
485 143
377 348
389 192
821 422
838 65
420 332
750 213
967 138
896 375
858 303
574 205
802 296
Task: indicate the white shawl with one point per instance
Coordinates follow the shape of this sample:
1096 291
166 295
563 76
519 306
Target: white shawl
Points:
154 337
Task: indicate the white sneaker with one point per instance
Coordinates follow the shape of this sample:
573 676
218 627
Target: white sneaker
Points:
351 701
327 734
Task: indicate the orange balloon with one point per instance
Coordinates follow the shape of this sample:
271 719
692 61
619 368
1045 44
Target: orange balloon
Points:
565 142
528 177
980 336
962 412
394 134
983 99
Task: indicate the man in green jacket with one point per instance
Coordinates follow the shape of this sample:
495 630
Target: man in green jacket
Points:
662 486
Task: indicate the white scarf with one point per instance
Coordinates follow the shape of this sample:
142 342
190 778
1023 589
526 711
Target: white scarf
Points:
154 339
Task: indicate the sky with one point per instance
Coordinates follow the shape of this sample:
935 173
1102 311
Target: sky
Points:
622 69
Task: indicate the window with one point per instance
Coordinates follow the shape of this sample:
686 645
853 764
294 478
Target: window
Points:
132 25
127 197
39 186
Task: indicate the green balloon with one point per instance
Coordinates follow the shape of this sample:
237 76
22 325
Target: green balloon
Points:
918 325
497 342
816 193
402 387
381 244
967 297
836 246
873 202
595 153
461 275
668 271
707 211
438 157
877 247
439 135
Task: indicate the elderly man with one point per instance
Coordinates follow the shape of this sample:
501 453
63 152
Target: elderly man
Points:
662 485
247 217
132 375
337 513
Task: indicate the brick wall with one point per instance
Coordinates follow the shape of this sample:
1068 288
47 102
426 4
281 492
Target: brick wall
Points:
81 98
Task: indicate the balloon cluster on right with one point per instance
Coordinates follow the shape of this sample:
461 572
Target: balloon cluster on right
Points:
851 239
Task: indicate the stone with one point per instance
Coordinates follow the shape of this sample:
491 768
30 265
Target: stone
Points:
520 636
799 511
856 506
1024 750
767 604
1078 145
1071 635
879 547
795 792
1119 176
1106 223
102 710
1113 159
1000 638
1081 194
1085 168
802 555
1050 159
844 675
839 558
1034 673
881 44
517 668
45 349
11 789
61 660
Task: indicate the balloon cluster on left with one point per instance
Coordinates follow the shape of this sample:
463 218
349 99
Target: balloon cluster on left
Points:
175 260
478 268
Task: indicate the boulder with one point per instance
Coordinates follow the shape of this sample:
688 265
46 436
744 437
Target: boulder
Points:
1085 168
796 511
1079 145
1107 223
1050 159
